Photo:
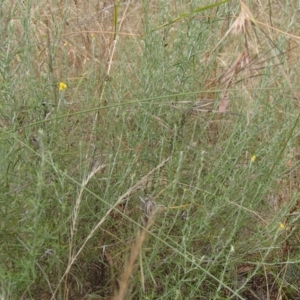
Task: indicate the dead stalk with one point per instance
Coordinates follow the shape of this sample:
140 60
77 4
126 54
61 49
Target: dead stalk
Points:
130 264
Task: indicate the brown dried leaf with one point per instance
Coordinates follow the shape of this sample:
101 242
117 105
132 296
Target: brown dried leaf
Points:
224 103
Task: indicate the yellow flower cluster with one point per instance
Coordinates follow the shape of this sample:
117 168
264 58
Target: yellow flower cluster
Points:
281 225
62 86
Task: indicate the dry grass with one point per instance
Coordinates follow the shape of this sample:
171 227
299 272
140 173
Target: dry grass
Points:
215 92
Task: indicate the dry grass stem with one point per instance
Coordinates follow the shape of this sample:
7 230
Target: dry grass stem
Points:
130 264
112 52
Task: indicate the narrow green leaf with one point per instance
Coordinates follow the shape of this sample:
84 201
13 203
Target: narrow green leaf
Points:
116 15
187 14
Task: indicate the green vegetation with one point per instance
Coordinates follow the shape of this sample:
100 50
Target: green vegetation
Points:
148 152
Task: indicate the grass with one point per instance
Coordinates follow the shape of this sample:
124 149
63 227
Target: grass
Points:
166 164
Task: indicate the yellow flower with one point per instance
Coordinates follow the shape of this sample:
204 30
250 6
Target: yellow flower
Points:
253 158
281 225
92 36
62 86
